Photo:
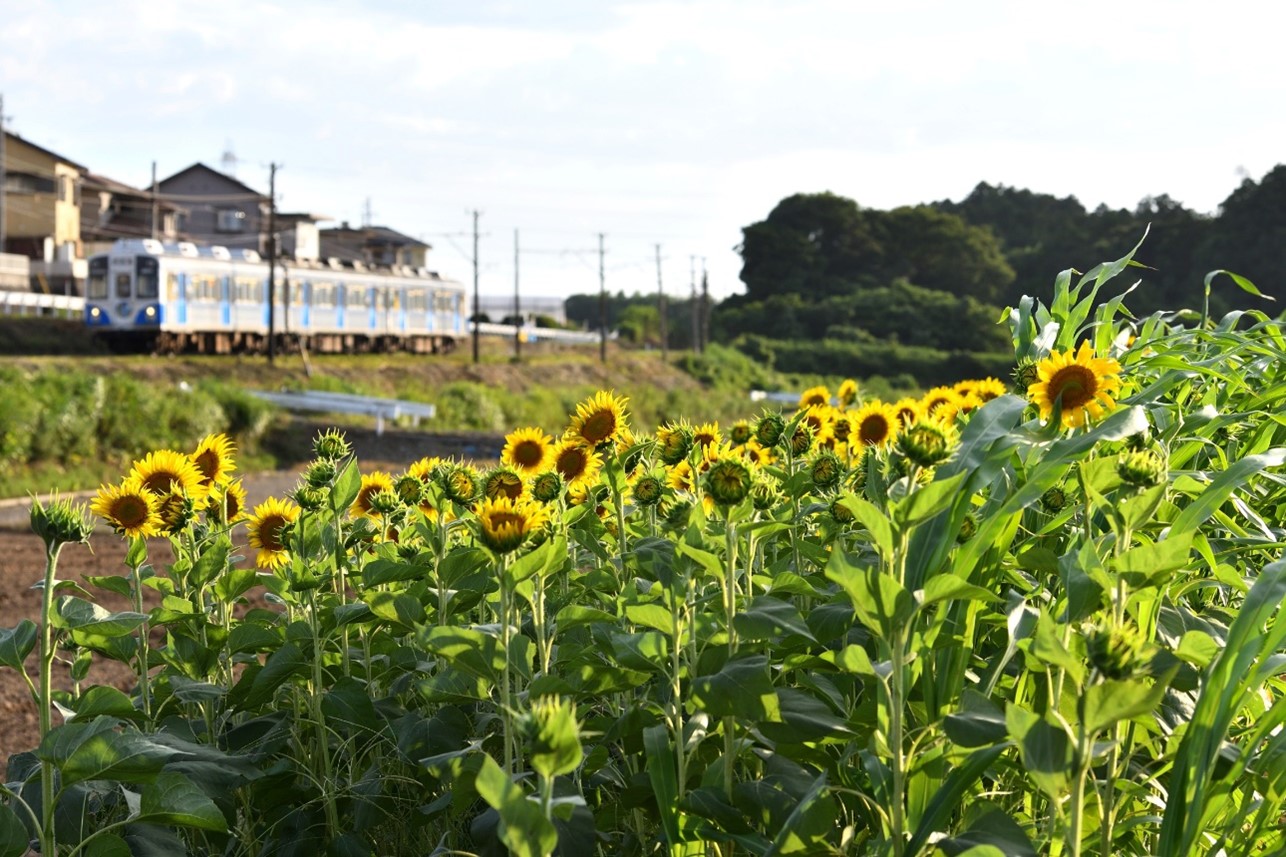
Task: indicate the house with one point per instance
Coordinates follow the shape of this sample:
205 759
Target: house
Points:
111 210
373 245
40 219
217 209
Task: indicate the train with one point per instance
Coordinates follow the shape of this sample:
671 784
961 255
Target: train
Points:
145 295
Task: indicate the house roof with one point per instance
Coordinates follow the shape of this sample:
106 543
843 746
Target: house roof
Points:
374 235
57 157
94 181
297 216
200 167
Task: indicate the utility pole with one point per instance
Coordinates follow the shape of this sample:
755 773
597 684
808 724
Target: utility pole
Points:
477 305
602 304
272 262
660 308
696 313
517 308
705 306
2 172
155 204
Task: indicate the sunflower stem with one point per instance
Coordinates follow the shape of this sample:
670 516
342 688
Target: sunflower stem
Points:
48 838
144 631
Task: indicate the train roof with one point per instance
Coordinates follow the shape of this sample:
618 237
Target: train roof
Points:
188 250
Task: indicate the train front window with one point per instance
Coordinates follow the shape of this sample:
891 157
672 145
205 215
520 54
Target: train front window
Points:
96 287
123 285
148 270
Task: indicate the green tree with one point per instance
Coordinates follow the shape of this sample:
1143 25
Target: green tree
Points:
939 250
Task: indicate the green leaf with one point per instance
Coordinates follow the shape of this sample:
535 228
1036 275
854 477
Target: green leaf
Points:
174 799
928 500
875 522
742 689
542 561
117 583
1047 646
250 637
948 587
234 583
853 659
879 601
399 607
1242 283
1111 701
281 665
125 756
108 845
1200 509
665 786
523 828
979 723
77 613
1045 747
646 650
768 618
1197 648
947 798
575 615
210 564
13 833
347 486
105 699
466 649
649 616
16 643
1149 564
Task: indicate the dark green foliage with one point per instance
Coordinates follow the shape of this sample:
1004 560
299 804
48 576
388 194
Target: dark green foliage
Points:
860 359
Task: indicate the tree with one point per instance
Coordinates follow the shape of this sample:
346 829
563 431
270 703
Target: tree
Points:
811 244
938 250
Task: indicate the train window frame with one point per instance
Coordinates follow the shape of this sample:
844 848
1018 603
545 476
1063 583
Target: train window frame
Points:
147 286
124 284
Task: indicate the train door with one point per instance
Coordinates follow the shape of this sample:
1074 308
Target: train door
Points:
176 294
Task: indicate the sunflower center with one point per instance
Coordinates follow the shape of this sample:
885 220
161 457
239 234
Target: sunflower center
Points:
130 511
528 454
572 464
160 483
500 520
270 533
598 427
208 463
1075 385
874 429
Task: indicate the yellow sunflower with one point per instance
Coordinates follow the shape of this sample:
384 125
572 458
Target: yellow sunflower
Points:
847 392
819 395
908 411
527 450
1081 382
937 398
680 477
129 508
214 458
756 453
227 502
265 531
372 484
989 388
503 524
576 463
707 435
598 419
874 424
165 472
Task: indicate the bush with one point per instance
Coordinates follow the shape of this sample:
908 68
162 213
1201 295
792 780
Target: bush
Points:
468 406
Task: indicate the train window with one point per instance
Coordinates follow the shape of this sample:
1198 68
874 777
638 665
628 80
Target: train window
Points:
356 296
415 300
148 270
96 287
323 295
172 285
123 285
248 290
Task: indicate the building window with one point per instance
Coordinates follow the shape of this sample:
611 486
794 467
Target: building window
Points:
66 189
230 220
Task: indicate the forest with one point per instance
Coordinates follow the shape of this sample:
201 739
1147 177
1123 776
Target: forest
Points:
916 290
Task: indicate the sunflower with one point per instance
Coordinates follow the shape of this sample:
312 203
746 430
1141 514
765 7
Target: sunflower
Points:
598 419
213 457
527 450
908 411
576 463
1081 384
937 398
372 484
129 508
227 502
681 478
740 432
707 435
503 482
265 530
460 483
989 388
728 481
819 395
756 453
165 472
504 523
875 424
674 442
962 406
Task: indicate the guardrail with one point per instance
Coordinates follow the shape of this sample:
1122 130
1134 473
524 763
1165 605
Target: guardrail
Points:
345 403
35 303
538 334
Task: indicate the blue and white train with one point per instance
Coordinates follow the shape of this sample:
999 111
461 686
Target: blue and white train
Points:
170 298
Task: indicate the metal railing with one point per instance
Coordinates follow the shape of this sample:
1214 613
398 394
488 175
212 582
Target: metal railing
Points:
345 403
35 303
541 334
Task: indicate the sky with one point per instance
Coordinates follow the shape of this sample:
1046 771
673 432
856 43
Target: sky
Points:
651 123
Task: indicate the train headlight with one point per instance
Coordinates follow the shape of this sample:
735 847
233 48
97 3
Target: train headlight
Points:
150 312
95 312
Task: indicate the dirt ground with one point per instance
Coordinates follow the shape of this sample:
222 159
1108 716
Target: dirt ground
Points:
22 564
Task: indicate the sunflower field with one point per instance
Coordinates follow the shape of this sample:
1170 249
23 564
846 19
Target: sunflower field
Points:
998 619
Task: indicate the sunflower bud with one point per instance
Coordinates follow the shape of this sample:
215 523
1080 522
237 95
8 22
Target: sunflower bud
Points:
764 494
552 736
1142 469
331 445
321 473
410 489
1025 374
60 523
502 482
840 512
648 491
769 429
740 433
728 481
826 470
802 440
926 444
309 498
385 502
968 528
548 486
1054 500
460 484
676 514
1115 651
676 443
